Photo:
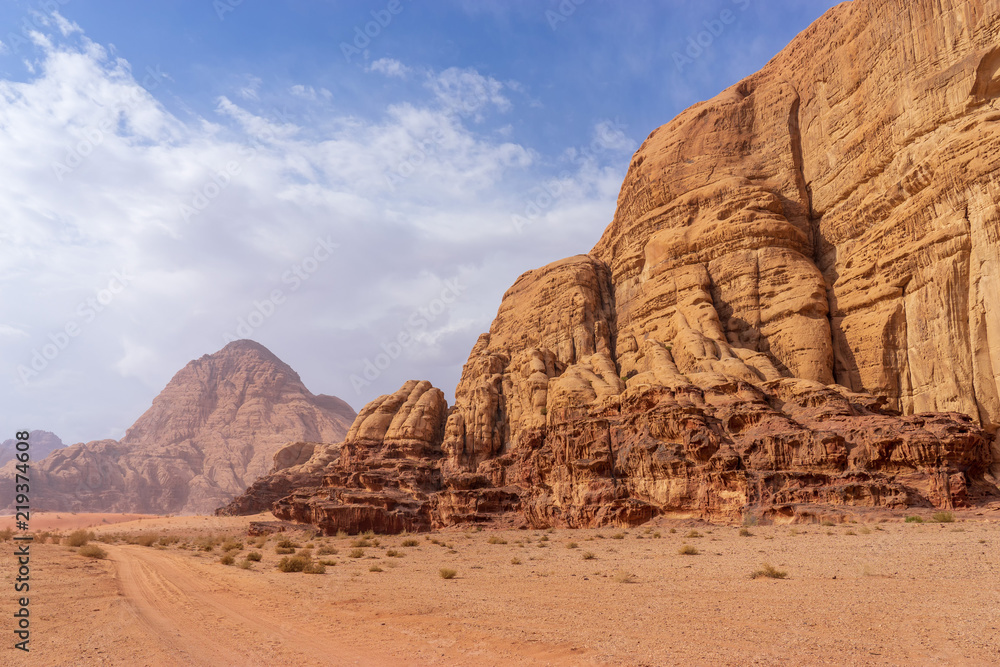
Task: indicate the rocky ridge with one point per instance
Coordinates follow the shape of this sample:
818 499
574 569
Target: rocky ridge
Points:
212 431
795 304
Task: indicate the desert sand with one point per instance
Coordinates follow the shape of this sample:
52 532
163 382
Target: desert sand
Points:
880 593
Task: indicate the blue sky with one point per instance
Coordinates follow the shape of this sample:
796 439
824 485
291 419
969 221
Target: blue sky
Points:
181 172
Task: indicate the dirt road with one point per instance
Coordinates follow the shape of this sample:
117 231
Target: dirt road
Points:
193 615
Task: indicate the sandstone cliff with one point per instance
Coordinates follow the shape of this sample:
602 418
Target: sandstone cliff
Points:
796 302
209 434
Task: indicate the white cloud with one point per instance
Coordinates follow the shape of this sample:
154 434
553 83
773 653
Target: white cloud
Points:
467 92
208 217
390 67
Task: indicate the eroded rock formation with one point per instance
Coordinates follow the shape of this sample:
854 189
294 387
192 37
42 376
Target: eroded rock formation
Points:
797 301
211 432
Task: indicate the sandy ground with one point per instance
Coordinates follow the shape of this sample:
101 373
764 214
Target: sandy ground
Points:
856 594
64 521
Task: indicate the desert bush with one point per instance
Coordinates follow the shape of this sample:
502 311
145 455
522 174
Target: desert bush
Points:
745 533
589 555
92 551
943 517
768 571
326 550
284 550
618 536
146 540
914 519
687 550
375 568
245 564
328 562
314 568
341 534
305 553
6 534
288 544
693 533
78 538
168 540
361 542
447 573
623 577
496 539
515 561
410 543
356 553
227 559
865 530
572 545
255 556
232 545
849 532
293 564
393 553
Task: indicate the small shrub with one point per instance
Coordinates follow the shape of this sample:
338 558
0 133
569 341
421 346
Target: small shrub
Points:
78 538
572 545
361 542
850 532
745 533
545 411
314 568
255 556
330 563
657 535
393 553
168 540
341 534
943 517
227 559
589 555
673 530
768 571
515 561
284 550
693 533
288 544
375 568
232 545
687 550
245 565
92 551
496 539
826 523
865 530
447 573
293 564
411 542
618 536
356 553
326 551
623 577
914 519
147 540
6 534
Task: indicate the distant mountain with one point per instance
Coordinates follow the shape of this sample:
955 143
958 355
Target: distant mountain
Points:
42 444
210 434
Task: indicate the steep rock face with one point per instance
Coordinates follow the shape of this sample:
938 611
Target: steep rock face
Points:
299 465
796 302
210 433
837 210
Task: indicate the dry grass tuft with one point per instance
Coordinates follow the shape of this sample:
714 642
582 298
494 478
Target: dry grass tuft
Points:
768 571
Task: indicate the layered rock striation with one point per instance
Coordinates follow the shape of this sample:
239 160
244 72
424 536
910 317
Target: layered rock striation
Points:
209 434
797 301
